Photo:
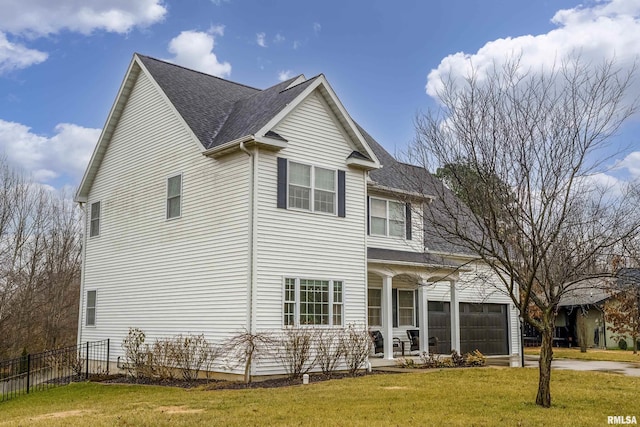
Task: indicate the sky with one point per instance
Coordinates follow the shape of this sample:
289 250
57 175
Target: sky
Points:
62 62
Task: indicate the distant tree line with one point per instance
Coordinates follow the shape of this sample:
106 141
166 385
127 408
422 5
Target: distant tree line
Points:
40 257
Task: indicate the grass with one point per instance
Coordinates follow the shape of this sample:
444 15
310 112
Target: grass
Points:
479 397
591 354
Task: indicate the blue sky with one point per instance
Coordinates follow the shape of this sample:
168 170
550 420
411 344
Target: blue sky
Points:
62 62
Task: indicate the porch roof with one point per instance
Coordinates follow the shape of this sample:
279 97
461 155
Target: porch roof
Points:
379 255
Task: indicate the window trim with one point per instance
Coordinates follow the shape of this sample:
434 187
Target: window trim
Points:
167 198
86 308
312 188
387 218
99 202
374 306
297 303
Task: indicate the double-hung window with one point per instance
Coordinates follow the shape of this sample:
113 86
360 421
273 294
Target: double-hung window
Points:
90 315
313 302
312 188
406 307
94 226
387 218
374 306
174 196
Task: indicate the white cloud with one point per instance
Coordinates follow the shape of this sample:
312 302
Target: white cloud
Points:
631 163
194 49
610 28
316 28
296 44
217 30
260 39
43 17
46 158
30 19
279 38
15 56
284 75
219 2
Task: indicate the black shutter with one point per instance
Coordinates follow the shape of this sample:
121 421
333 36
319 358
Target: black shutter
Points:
408 220
368 216
341 196
394 302
282 183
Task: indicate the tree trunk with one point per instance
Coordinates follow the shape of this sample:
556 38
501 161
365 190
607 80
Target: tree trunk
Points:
544 383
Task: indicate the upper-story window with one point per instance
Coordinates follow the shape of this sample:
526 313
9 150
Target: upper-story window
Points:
174 196
94 226
312 188
387 218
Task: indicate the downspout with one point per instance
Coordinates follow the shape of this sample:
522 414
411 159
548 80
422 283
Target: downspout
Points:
253 185
82 270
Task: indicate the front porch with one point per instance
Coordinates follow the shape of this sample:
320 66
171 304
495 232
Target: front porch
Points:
446 306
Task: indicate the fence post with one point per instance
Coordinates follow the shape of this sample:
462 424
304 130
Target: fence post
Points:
28 371
108 342
86 377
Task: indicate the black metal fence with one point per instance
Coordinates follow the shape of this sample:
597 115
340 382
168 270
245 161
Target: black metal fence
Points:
40 371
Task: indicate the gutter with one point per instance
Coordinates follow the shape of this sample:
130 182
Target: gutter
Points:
230 144
252 238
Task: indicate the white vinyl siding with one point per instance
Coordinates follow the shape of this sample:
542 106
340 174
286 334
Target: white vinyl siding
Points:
174 196
94 226
90 316
294 244
167 277
312 188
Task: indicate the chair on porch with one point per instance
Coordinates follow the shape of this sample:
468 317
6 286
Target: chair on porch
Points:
414 340
378 343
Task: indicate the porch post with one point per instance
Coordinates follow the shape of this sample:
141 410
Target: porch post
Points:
424 318
387 317
455 318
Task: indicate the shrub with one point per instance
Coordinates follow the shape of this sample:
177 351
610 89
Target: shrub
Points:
294 351
475 358
329 350
622 344
429 360
164 358
405 363
190 352
247 348
138 360
356 344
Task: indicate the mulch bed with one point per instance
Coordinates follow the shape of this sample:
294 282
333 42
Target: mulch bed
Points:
211 384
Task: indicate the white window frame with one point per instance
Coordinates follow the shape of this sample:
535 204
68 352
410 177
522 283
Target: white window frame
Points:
374 306
98 219
387 218
413 308
94 308
297 303
167 198
312 188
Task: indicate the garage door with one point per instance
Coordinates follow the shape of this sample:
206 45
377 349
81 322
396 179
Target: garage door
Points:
440 326
483 327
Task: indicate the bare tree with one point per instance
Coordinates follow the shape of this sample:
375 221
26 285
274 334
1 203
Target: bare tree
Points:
39 265
533 146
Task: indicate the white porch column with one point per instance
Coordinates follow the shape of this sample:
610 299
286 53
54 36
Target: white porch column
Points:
424 318
455 318
387 317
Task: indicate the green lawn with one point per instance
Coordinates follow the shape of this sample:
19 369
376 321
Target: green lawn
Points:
479 396
591 354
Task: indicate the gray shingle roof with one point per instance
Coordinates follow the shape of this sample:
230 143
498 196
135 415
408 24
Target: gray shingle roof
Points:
217 110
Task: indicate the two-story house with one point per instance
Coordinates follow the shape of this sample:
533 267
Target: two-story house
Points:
213 206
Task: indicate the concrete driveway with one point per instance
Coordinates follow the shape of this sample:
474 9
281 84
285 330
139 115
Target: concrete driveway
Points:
624 368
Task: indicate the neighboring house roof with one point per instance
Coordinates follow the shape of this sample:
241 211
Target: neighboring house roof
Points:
586 292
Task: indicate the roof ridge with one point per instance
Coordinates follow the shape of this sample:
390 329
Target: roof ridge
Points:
199 72
301 83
